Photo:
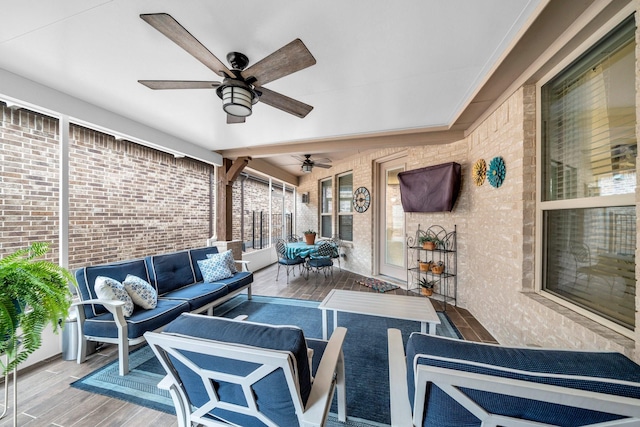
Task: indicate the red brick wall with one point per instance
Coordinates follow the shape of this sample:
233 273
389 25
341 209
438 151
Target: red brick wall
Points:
126 200
29 176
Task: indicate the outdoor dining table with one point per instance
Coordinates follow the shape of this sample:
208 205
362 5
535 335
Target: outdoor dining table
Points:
299 249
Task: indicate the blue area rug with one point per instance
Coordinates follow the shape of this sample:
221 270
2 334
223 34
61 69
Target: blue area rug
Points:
365 352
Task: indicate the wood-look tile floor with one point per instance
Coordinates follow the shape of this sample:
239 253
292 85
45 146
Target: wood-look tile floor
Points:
45 397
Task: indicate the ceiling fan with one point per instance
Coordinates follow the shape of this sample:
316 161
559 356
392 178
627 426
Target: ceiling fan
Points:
241 87
308 164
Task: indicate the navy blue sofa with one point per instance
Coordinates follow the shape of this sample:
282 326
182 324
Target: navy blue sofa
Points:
179 284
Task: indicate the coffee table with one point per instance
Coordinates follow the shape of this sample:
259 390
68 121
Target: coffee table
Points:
378 304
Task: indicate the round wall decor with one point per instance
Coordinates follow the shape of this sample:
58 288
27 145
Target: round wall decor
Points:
361 199
497 172
479 172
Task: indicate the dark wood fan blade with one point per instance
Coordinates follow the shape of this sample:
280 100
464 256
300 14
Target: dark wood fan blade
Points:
284 103
234 119
175 32
178 84
287 60
322 160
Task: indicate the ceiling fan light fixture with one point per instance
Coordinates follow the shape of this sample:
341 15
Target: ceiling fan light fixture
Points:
306 167
237 101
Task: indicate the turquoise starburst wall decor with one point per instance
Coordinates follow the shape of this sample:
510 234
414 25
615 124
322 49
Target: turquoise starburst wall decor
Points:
497 171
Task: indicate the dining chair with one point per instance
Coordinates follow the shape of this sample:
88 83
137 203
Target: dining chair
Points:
337 242
585 266
288 263
320 259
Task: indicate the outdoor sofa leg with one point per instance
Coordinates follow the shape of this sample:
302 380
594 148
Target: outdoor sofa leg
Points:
123 353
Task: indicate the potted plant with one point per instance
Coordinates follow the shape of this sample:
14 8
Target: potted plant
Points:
310 237
437 268
425 265
426 287
33 294
429 242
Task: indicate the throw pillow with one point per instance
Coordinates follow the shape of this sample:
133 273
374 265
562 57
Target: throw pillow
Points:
141 292
213 269
227 257
111 289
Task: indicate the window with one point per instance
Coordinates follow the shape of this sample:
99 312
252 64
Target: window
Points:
345 207
589 149
326 208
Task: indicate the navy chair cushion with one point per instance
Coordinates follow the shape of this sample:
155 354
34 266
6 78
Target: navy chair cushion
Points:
291 261
198 295
86 278
444 411
199 255
320 262
141 321
271 392
172 271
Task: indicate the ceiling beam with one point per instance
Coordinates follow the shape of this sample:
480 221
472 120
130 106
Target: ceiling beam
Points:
238 166
405 138
275 172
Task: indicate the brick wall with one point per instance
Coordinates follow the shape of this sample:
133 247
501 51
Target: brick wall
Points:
29 153
126 200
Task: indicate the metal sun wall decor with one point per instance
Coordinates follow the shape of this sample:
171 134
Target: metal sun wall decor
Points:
497 171
479 172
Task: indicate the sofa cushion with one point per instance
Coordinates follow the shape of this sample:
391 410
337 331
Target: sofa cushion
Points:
170 271
492 359
86 278
139 322
198 255
214 269
272 391
140 291
237 281
198 295
110 289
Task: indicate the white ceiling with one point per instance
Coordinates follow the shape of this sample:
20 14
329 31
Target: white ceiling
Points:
381 66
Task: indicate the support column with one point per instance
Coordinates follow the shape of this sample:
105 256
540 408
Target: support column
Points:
227 175
63 200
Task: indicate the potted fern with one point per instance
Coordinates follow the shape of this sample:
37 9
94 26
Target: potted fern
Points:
33 294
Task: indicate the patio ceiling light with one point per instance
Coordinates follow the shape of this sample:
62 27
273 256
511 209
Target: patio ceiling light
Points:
237 97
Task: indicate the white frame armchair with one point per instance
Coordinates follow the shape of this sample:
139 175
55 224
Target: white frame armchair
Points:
454 383
329 377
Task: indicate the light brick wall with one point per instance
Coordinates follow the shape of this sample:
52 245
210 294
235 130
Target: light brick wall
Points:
359 254
496 231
